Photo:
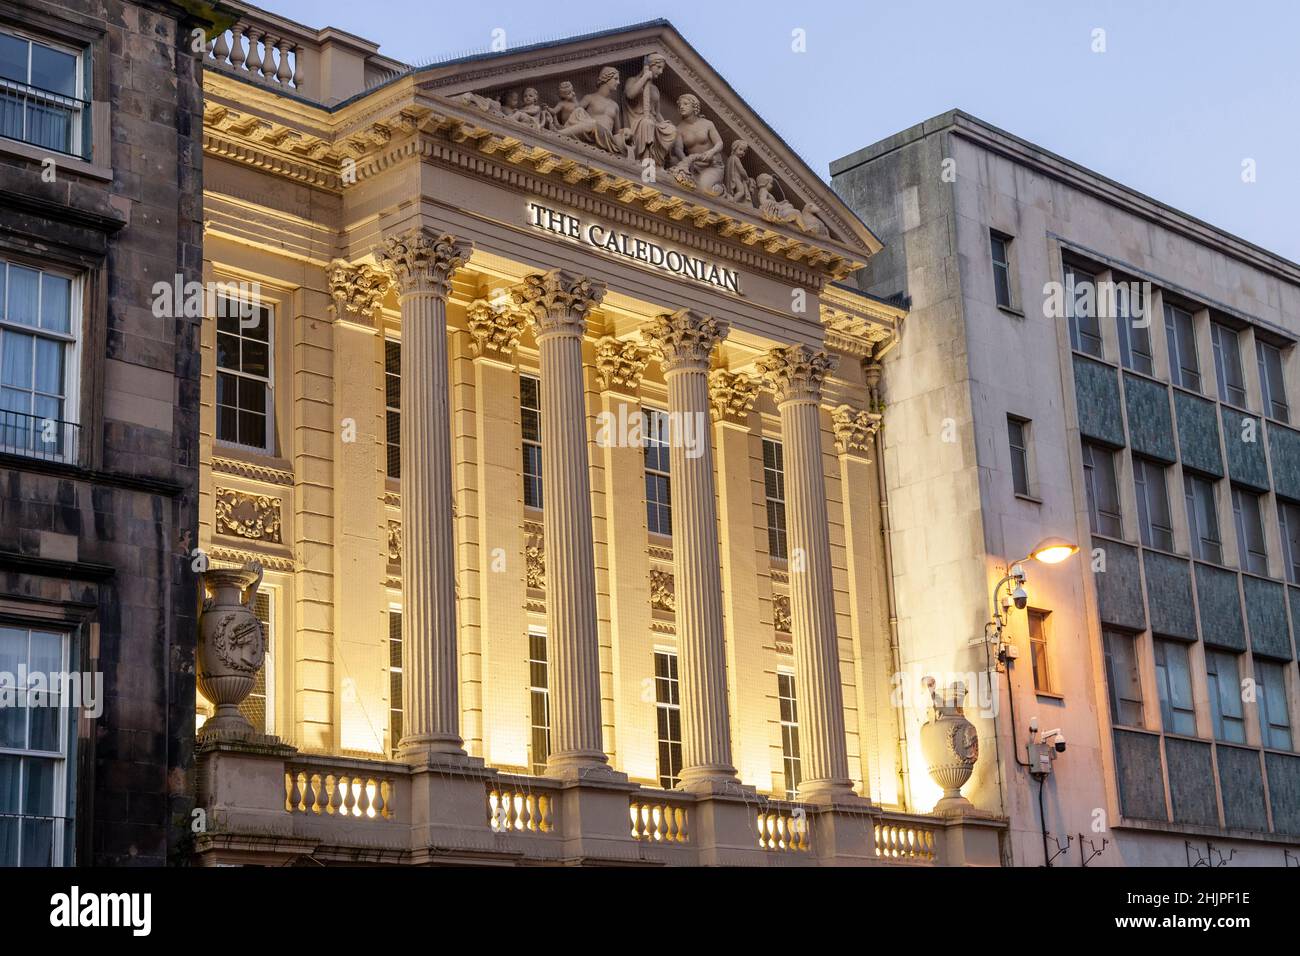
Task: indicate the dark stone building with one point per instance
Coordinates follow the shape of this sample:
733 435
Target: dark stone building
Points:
100 199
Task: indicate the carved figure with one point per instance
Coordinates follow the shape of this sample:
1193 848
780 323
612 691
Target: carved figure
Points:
739 184
698 147
652 135
531 113
597 119
781 210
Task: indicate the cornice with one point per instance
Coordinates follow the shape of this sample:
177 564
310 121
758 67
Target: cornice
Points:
251 471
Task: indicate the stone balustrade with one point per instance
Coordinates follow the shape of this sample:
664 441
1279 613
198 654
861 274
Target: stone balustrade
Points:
252 50
262 802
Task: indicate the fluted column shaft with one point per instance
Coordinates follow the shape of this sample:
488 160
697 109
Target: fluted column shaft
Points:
422 263
559 303
797 373
684 341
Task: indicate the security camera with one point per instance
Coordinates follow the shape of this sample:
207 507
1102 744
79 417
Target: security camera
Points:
1018 572
1059 742
1033 725
1021 598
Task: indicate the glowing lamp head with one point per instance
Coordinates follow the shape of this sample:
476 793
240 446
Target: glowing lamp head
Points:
1053 550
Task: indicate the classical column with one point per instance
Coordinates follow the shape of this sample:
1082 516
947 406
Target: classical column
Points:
558 302
796 374
422 263
684 341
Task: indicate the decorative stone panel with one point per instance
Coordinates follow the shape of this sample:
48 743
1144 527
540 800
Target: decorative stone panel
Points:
251 516
1242 783
1266 616
1140 779
1097 390
1220 605
1243 439
1284 446
1191 782
394 542
1119 587
662 596
1198 433
1169 595
1150 423
1284 791
781 613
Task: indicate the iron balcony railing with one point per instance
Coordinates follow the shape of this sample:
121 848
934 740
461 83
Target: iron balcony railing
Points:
34 839
36 436
42 118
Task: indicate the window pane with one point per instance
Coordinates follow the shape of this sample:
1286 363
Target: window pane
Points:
54 70
56 303
16 350
13 58
22 305
255 358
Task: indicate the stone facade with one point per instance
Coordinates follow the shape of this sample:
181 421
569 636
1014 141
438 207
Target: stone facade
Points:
955 200
488 638
100 503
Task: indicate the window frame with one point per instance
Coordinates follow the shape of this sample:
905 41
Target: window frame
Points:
396 702
1267 710
1251 561
787 695
1201 495
1003 268
1040 652
269 382
668 718
392 411
533 486
1126 332
657 440
1091 452
1145 471
778 538
64 759
81 118
1079 337
1226 365
1025 428
72 354
538 693
1170 711
1216 687
1119 704
1270 397
1180 375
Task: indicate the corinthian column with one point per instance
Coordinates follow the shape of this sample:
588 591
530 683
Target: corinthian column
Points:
558 303
422 263
684 341
796 373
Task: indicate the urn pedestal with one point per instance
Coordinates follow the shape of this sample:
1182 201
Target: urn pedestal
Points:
950 745
232 646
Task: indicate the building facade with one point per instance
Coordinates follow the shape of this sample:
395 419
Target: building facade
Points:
1083 362
100 185
541 404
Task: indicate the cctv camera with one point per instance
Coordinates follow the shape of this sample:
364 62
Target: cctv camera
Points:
1059 739
1021 597
1060 745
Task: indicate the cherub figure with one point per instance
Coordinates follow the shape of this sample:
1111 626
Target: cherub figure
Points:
739 184
597 119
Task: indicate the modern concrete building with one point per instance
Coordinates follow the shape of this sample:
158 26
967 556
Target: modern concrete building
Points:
553 429
1084 362
100 186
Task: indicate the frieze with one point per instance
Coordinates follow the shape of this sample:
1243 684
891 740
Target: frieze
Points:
251 516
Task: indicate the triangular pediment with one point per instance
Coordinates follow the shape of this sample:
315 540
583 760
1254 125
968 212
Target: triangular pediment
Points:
643 106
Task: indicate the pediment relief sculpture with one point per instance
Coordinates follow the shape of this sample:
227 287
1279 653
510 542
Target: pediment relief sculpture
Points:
642 113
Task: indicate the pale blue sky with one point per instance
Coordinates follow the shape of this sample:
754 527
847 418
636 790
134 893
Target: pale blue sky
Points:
1183 94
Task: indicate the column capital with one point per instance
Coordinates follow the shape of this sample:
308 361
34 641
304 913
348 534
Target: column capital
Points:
732 396
854 430
620 364
358 290
558 300
421 260
495 328
797 372
684 338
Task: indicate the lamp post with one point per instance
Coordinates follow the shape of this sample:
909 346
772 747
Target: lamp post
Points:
1048 551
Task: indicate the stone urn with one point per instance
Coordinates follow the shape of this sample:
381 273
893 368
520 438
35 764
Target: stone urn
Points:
232 645
950 745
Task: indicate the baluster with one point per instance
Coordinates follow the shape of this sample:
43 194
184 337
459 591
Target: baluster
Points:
283 73
367 788
494 801
289 792
220 48
297 67
252 59
349 796
237 55
331 784
545 803
268 58
299 789
379 802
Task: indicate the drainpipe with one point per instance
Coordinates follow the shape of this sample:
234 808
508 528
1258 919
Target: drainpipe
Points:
895 658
